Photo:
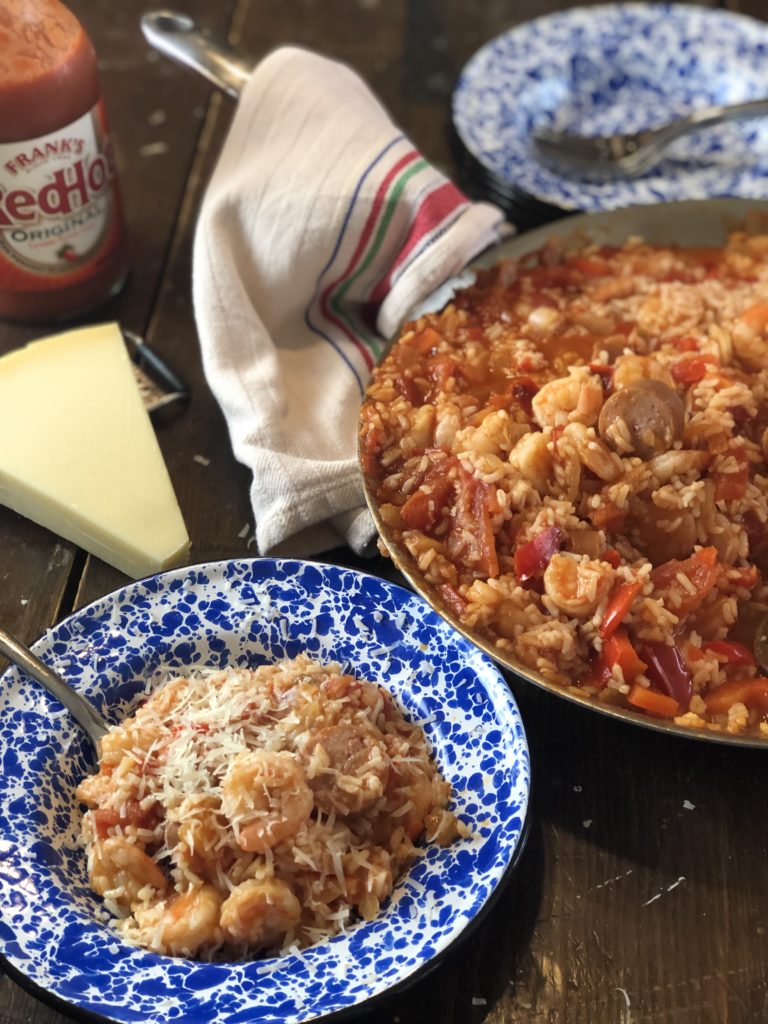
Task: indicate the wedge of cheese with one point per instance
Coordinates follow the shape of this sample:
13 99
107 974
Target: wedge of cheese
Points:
78 453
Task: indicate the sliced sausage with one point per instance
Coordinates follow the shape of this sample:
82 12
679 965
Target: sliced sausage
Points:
644 419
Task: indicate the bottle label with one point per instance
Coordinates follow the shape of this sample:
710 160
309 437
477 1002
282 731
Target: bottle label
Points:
59 204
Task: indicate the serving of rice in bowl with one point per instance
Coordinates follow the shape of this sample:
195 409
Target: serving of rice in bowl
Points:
312 787
569 460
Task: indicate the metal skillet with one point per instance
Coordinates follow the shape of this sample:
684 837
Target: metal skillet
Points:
686 223
691 223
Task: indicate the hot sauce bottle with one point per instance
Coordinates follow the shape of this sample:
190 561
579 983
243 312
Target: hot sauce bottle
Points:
62 245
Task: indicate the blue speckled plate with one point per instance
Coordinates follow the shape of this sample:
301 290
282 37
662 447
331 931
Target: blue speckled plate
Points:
235 613
620 67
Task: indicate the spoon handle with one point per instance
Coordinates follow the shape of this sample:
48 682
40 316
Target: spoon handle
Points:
86 714
176 35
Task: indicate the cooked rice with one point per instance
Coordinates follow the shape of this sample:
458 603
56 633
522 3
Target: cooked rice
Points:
620 397
246 812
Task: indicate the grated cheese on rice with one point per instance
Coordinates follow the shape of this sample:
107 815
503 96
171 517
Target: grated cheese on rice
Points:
245 812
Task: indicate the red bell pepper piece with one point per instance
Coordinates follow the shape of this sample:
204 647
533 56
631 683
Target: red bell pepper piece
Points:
618 605
731 651
701 569
652 702
668 671
533 557
731 486
752 692
617 650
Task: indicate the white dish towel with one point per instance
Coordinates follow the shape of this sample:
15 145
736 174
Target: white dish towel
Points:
320 230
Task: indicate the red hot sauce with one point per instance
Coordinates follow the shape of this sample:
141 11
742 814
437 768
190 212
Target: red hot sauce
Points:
62 246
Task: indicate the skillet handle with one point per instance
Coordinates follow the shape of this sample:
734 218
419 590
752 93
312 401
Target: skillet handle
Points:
176 35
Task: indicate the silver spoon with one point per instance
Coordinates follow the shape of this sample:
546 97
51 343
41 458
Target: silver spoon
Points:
84 712
176 35
631 154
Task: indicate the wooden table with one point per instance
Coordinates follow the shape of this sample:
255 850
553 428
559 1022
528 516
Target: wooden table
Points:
642 895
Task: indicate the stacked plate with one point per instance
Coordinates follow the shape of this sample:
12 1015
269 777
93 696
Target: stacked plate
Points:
604 69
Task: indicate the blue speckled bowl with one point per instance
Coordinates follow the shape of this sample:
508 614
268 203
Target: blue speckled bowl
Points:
619 67
235 613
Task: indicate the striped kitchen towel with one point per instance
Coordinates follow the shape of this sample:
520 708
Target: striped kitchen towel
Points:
321 229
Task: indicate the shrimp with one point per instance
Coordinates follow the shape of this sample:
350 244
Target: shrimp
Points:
594 453
120 870
577 398
368 883
182 924
266 798
493 436
749 337
577 586
532 458
95 789
630 368
259 911
196 834
347 769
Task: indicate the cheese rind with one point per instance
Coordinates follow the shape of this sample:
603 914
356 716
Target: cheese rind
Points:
78 453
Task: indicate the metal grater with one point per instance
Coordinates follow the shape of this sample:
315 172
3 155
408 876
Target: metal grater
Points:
158 384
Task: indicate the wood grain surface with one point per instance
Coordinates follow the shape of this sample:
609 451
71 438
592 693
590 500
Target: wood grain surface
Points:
641 895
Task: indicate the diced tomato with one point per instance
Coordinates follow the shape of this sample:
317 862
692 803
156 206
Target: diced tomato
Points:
422 508
730 651
130 813
441 369
752 692
732 486
522 390
453 598
652 702
668 671
409 389
618 605
685 344
425 340
518 393
718 443
612 557
533 557
692 369
617 650
701 569
608 517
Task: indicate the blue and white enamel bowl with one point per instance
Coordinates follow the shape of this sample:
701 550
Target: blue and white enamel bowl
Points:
619 67
246 613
